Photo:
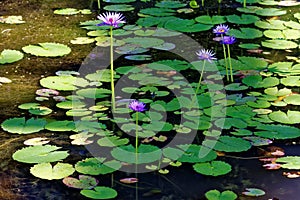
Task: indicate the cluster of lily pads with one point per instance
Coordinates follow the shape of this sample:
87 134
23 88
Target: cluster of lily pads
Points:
259 106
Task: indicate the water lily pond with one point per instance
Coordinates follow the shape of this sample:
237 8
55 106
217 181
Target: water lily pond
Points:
148 99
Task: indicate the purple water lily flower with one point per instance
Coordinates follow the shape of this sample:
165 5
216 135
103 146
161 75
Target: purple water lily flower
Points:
205 54
111 19
221 29
228 40
137 106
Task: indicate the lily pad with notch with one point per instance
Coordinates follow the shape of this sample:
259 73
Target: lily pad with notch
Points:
46 171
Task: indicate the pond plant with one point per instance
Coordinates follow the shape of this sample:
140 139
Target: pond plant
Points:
257 107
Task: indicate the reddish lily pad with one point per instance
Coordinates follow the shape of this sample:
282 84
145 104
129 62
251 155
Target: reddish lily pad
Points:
84 182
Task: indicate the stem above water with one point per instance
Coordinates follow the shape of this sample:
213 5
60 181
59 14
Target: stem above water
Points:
112 71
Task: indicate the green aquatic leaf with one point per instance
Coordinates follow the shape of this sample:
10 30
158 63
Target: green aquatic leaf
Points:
119 8
144 42
60 125
290 162
256 81
254 192
228 144
243 19
285 68
10 56
249 46
82 40
40 154
64 83
186 25
291 117
206 19
21 126
279 44
66 11
253 63
217 195
46 171
246 33
97 166
119 1
157 12
270 12
281 92
47 49
40 110
249 9
293 99
140 57
191 153
235 87
112 141
273 131
170 4
289 34
146 154
83 182
227 123
167 65
214 168
93 93
291 81
100 192
271 24
292 24
259 104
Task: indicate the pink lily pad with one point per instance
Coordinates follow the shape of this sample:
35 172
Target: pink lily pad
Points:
46 92
84 182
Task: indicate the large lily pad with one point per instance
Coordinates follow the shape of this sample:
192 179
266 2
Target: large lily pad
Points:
64 83
256 81
291 117
10 56
40 154
279 44
290 162
214 168
273 131
243 19
47 49
217 195
246 33
186 25
270 12
157 11
96 166
228 144
206 19
100 192
21 126
271 24
119 7
46 171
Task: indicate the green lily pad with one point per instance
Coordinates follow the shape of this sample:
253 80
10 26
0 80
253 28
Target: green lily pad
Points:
227 123
82 40
271 24
167 65
146 154
290 162
40 154
256 81
112 141
291 117
64 83
40 110
119 7
139 57
47 49
21 126
100 192
214 168
285 68
254 192
191 153
249 46
293 99
270 12
159 12
289 34
144 42
292 24
281 92
46 171
10 56
60 126
66 11
243 19
291 81
217 195
206 19
96 166
273 131
83 182
186 25
170 4
249 9
279 44
119 1
253 63
246 33
228 144
93 92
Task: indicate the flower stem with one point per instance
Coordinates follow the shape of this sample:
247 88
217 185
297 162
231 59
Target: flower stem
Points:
136 152
244 4
230 65
202 3
199 83
225 59
99 5
112 71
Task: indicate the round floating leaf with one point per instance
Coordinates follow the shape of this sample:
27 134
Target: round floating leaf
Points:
170 4
246 33
64 83
46 171
119 7
256 81
206 19
112 141
248 9
290 162
40 154
191 153
228 144
291 117
157 11
11 19
119 1
40 110
249 46
21 126
291 81
47 49
146 153
94 92
144 42
84 182
161 32
139 57
27 106
254 192
279 44
36 141
270 12
96 166
293 99
243 19
100 192
186 25
60 126
66 11
214 168
275 92
10 56
277 131
235 87
271 24
167 65
216 195
82 40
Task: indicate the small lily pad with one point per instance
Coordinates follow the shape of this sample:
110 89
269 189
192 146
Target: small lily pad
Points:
96 166
243 19
100 192
254 192
36 141
217 195
46 171
82 40
47 49
83 182
10 56
214 168
119 7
